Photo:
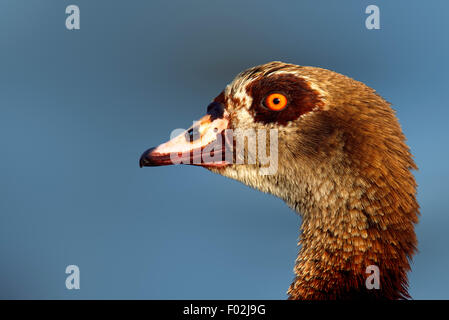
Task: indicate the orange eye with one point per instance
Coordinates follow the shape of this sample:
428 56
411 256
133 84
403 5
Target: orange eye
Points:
276 101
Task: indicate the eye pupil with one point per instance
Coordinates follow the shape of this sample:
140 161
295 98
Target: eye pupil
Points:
275 101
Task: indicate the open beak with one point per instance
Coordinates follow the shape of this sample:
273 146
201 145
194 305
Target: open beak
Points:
203 144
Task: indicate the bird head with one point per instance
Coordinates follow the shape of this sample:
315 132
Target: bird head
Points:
333 150
300 133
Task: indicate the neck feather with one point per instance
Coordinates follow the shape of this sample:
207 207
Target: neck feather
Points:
369 223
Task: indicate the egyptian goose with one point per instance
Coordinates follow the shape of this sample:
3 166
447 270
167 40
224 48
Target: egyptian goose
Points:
342 164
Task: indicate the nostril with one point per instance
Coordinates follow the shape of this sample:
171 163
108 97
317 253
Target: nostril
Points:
189 135
215 130
192 134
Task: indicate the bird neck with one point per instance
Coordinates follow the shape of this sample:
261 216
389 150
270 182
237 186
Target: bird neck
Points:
352 235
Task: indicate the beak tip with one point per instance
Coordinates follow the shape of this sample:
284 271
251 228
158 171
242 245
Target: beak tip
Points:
144 161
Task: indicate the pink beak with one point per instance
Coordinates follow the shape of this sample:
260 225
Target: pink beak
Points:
203 144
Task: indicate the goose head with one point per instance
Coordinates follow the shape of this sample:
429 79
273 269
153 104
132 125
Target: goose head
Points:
333 150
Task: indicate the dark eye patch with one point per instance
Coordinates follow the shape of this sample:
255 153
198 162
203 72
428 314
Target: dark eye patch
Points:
301 98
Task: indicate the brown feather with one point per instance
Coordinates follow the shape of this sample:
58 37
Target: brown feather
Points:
345 167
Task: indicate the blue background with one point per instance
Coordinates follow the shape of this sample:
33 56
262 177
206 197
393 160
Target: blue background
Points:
77 108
